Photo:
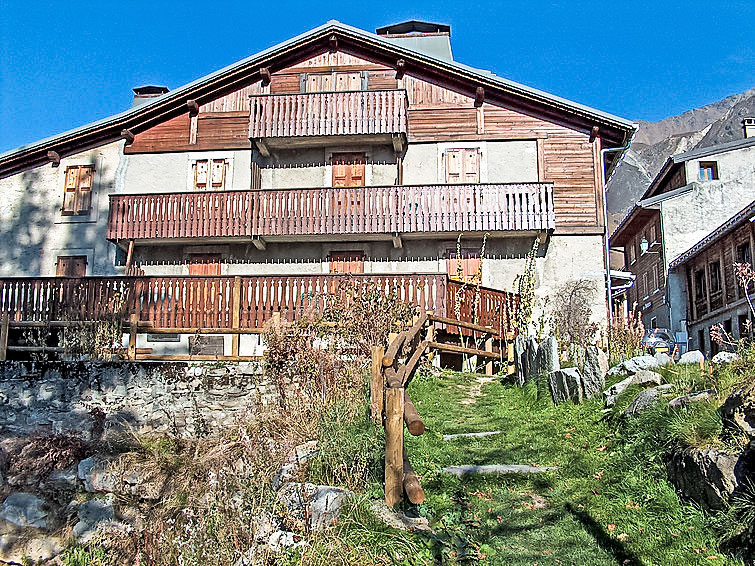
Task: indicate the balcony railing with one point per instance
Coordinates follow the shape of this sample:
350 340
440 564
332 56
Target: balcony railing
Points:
339 210
242 302
328 114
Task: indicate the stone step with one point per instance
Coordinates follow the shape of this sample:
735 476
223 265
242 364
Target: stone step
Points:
468 470
471 434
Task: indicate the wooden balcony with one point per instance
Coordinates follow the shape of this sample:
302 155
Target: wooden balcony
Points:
242 302
343 210
324 114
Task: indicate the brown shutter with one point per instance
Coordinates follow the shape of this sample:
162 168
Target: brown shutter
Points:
200 174
348 81
71 266
85 189
204 264
69 192
471 166
347 262
453 166
218 173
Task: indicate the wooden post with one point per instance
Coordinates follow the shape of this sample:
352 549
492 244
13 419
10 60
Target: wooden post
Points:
129 257
236 315
394 445
4 329
133 328
511 370
412 487
489 348
377 385
277 319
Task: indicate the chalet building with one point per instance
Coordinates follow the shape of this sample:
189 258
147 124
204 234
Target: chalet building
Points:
713 294
336 152
693 193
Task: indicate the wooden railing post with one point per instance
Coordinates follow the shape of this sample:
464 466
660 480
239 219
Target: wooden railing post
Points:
4 330
394 445
236 314
133 329
489 348
377 384
511 366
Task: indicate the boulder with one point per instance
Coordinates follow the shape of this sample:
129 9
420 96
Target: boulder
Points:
738 412
24 510
93 515
547 357
662 358
690 398
604 362
531 359
646 377
565 385
20 549
63 479
130 478
704 476
641 377
692 357
520 358
593 376
316 506
724 358
633 365
96 474
644 400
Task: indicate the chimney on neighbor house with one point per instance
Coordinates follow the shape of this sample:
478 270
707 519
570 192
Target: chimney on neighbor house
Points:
749 126
426 37
143 94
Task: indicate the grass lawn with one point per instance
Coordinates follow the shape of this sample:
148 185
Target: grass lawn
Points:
608 503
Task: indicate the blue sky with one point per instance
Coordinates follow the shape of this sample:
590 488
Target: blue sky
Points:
63 64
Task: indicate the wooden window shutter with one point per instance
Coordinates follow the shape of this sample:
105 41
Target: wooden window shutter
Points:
85 189
77 194
71 266
453 166
471 166
200 174
218 173
69 195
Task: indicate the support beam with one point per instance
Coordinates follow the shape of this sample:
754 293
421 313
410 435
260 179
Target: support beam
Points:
398 143
4 330
397 242
127 135
262 146
594 133
542 237
412 487
411 417
129 257
193 107
333 43
400 69
479 96
259 243
54 158
265 74
133 330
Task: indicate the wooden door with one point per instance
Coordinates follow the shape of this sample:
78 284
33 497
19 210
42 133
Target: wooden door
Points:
71 266
466 267
347 262
204 264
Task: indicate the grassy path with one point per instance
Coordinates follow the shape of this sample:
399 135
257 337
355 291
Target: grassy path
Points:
607 503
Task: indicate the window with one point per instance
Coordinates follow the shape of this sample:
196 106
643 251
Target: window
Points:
653 280
77 197
209 174
657 276
646 285
700 284
347 262
465 267
744 255
71 266
329 82
744 326
708 170
701 340
727 326
654 322
714 275
630 252
348 169
653 235
462 166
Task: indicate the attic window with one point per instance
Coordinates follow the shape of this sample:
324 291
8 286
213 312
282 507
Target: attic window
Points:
708 170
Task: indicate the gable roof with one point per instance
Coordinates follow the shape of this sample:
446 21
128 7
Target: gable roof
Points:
614 130
727 227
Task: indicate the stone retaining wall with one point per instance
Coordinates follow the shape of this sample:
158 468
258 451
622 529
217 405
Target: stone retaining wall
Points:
88 397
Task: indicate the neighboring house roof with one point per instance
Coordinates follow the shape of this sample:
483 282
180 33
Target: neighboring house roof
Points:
648 198
612 129
724 229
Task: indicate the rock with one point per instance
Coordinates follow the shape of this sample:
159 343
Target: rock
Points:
281 540
93 515
692 357
467 470
738 412
532 370
298 456
95 473
547 357
613 392
644 400
704 476
20 549
264 525
471 435
63 479
603 361
24 510
520 358
318 506
724 358
593 375
646 377
662 358
565 385
397 519
633 365
684 400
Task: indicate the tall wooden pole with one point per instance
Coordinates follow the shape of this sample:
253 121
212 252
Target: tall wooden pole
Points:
236 315
377 384
394 445
4 330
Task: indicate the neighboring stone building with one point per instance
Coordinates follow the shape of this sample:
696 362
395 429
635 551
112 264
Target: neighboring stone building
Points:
713 294
693 193
336 152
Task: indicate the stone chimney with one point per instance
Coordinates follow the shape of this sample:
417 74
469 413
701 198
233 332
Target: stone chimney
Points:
749 126
143 94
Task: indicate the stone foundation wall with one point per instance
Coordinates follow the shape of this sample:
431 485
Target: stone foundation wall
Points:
88 397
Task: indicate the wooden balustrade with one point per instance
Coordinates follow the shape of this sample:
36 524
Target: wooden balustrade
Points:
210 302
328 114
333 210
